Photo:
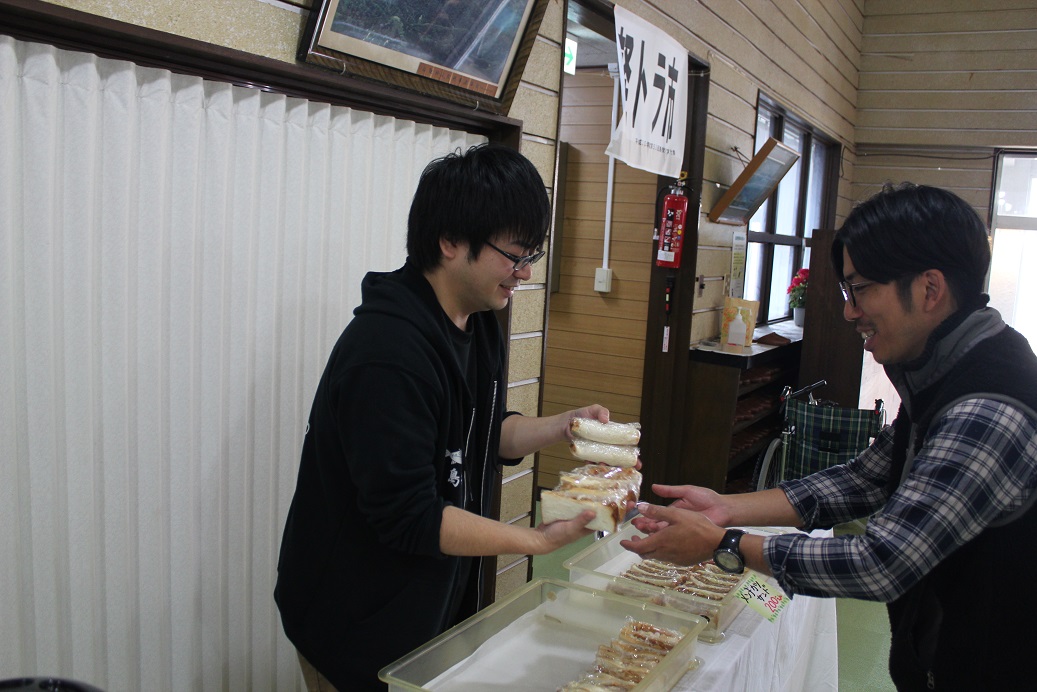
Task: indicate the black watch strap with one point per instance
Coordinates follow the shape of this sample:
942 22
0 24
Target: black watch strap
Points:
728 555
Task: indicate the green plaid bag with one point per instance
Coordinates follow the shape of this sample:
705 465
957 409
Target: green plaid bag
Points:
823 436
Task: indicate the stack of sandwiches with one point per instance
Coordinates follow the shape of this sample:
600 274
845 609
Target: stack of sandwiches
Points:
627 659
606 484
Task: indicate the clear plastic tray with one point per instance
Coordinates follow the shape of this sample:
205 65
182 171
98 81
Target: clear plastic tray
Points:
599 566
540 637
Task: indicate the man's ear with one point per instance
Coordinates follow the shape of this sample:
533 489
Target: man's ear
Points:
937 291
449 249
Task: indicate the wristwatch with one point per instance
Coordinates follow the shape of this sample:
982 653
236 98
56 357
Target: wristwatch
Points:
727 556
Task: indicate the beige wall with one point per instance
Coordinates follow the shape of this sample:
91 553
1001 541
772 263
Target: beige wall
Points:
948 74
942 86
268 29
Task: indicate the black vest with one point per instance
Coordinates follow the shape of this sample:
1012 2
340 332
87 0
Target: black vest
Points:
963 626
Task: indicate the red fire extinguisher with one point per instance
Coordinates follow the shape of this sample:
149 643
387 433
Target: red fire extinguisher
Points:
671 227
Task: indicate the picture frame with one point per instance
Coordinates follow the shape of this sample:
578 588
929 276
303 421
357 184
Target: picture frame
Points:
469 52
754 184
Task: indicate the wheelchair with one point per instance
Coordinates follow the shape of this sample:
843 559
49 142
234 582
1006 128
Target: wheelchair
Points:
815 435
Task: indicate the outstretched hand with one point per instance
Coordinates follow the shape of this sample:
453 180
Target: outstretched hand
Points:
564 531
708 502
680 536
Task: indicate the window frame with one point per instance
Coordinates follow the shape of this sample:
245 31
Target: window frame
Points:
769 238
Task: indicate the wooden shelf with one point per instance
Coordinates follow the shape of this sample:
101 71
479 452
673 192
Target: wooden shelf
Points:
757 354
745 424
755 448
721 436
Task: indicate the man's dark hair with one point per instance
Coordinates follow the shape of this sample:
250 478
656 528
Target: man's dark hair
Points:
472 197
907 229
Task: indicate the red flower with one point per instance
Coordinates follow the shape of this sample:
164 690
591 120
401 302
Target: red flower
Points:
797 290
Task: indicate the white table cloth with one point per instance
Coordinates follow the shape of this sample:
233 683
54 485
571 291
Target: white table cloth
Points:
797 652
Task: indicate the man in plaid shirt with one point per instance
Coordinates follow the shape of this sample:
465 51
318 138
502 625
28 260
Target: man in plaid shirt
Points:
949 487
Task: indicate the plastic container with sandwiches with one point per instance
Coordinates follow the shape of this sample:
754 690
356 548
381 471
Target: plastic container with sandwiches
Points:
600 565
541 637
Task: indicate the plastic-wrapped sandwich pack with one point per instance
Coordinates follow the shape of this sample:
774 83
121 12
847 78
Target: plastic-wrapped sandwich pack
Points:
606 484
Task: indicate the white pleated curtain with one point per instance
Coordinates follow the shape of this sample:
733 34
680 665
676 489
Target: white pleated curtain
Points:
177 258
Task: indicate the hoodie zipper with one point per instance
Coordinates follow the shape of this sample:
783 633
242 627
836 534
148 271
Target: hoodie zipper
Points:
485 464
469 496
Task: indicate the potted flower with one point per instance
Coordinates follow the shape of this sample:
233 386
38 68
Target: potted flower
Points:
797 291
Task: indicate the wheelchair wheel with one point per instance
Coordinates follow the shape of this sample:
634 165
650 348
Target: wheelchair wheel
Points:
768 468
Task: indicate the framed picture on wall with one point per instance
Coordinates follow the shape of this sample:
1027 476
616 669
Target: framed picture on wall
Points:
754 184
471 52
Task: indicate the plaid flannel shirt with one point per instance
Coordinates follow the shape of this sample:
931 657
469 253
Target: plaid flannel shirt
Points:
977 465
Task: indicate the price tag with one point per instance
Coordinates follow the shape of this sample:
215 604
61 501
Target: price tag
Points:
765 599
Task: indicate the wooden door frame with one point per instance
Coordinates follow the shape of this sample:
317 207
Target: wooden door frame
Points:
665 385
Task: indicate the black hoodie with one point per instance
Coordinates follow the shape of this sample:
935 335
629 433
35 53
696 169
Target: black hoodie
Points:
399 429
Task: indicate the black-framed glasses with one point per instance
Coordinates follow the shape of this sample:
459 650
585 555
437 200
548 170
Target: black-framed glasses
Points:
520 262
848 290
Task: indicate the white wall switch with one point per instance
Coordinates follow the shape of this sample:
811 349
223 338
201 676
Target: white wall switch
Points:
603 279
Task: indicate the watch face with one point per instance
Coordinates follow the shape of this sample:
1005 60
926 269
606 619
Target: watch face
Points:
727 561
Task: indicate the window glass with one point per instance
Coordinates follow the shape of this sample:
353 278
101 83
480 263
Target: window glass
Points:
789 187
796 208
763 128
753 271
1014 229
815 186
784 268
788 203
815 182
757 223
1017 191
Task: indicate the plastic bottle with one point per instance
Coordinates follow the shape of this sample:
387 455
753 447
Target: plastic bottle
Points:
736 334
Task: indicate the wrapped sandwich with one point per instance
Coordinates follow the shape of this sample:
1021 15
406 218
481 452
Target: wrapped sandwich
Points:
607 484
604 489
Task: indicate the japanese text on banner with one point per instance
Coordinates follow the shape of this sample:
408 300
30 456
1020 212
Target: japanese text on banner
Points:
653 74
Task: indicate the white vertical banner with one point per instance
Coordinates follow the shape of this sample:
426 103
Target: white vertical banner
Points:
653 74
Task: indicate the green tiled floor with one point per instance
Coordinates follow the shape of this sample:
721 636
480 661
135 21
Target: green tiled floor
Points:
863 646
863 627
863 639
550 565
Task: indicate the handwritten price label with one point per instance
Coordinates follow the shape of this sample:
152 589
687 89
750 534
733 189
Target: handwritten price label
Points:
765 599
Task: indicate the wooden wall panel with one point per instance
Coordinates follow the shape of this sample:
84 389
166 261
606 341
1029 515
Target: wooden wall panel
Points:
967 172
948 74
512 578
595 341
804 54
773 53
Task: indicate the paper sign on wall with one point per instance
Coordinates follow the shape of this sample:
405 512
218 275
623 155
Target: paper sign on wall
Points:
738 246
653 74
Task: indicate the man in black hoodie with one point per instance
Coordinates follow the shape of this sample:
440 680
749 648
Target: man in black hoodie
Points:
401 461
